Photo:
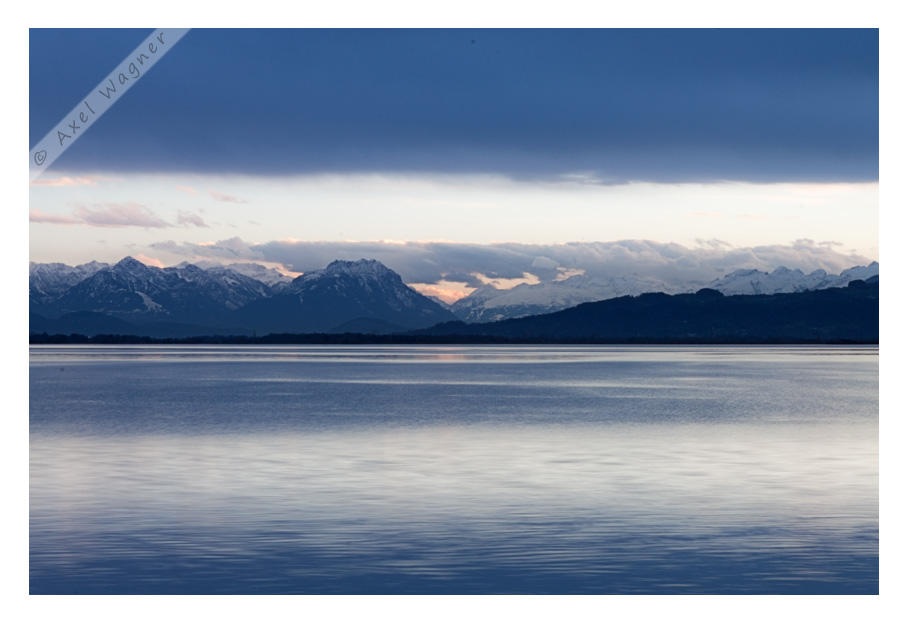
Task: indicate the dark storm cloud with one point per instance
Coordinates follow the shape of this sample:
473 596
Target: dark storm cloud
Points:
659 105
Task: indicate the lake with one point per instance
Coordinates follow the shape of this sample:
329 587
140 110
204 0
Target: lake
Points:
454 470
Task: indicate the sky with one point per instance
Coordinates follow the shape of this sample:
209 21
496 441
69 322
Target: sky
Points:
460 157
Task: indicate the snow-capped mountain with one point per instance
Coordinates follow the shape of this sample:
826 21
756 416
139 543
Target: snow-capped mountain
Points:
271 277
488 304
364 273
784 280
781 280
132 291
363 296
865 273
48 281
321 301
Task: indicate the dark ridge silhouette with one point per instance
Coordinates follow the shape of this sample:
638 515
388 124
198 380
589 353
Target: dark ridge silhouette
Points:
833 314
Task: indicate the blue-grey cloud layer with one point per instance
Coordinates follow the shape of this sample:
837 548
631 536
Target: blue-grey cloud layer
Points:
430 263
660 105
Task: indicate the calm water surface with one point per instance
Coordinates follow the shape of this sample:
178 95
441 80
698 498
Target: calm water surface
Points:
454 470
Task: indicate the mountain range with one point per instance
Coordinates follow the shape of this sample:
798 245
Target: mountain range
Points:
186 300
827 315
488 304
365 296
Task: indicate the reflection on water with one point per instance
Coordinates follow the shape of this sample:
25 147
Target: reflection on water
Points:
454 470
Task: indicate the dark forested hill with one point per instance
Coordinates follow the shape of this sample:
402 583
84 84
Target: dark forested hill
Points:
850 313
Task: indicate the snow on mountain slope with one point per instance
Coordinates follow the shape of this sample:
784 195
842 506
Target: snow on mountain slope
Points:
343 291
490 304
784 280
855 273
132 291
781 280
361 280
324 300
48 281
271 277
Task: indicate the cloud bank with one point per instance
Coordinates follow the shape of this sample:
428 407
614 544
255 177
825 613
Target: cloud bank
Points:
475 264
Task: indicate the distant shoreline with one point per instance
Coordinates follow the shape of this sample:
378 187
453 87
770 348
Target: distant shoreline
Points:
366 339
